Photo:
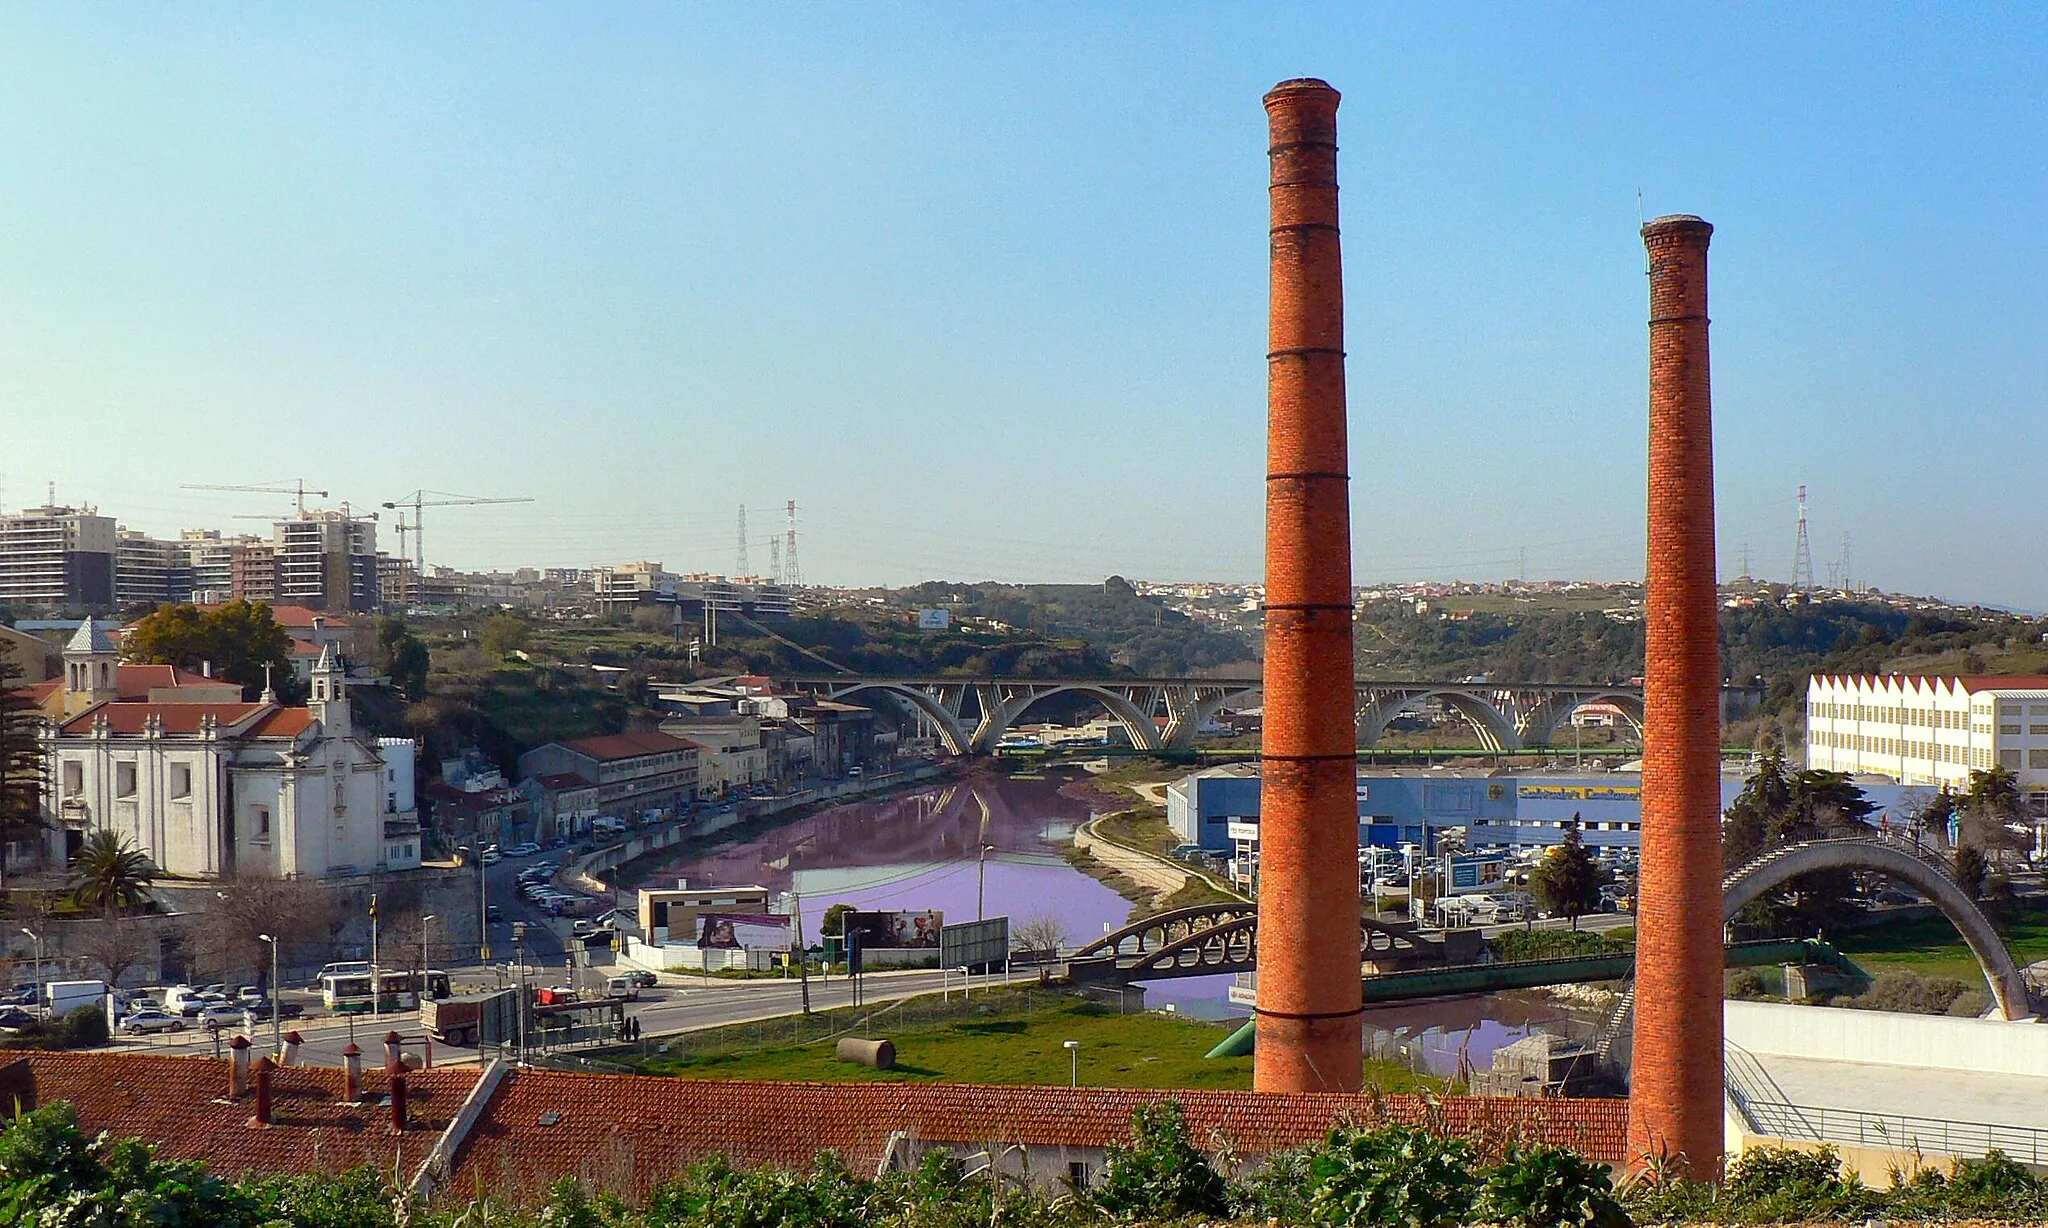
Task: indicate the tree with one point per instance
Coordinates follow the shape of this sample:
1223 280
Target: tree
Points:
1777 808
226 936
1971 869
833 925
502 635
1041 936
1567 881
110 874
116 946
1988 809
238 639
22 763
402 655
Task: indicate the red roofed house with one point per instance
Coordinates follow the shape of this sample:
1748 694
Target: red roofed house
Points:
206 784
622 775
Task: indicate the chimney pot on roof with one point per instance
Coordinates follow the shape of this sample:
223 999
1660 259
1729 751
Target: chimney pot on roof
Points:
393 1062
352 1073
398 1102
206 669
290 1056
238 1067
263 1069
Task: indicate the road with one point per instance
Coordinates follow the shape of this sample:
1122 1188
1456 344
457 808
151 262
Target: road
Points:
680 1004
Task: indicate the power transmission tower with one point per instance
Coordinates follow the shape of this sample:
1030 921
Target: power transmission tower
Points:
1802 553
739 567
1847 582
793 575
775 559
1746 577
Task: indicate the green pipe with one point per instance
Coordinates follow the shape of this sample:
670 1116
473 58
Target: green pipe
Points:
1238 1043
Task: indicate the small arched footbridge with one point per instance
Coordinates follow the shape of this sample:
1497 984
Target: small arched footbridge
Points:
1223 938
1904 861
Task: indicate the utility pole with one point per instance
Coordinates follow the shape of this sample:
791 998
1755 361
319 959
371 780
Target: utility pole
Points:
1802 551
376 975
796 909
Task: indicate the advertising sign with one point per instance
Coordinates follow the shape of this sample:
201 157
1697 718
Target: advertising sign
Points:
1581 793
885 931
1474 873
726 931
934 620
1244 832
975 944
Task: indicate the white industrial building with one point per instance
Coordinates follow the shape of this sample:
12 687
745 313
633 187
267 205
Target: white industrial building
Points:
1922 730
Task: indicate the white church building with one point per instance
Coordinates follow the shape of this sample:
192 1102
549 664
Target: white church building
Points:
207 788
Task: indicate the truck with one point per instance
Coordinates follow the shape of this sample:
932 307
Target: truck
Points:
490 1018
68 996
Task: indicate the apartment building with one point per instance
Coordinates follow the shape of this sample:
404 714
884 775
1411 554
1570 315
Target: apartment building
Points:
149 571
57 556
326 561
1922 730
621 775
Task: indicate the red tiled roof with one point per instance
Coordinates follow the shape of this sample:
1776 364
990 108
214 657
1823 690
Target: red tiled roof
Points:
179 1105
626 1133
283 723
40 691
297 617
129 718
627 745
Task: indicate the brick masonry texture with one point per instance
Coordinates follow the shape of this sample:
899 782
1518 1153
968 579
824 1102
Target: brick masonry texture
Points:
1308 1022
1676 1105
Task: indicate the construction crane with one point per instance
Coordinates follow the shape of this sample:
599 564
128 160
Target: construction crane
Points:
421 499
297 489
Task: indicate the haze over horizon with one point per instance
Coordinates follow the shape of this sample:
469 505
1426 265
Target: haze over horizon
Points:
985 292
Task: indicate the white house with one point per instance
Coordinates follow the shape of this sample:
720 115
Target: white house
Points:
216 788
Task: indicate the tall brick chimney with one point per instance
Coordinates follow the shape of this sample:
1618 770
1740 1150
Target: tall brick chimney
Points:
1675 1110
1309 1000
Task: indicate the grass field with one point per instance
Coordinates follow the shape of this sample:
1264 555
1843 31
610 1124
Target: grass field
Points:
1145 1051
1934 948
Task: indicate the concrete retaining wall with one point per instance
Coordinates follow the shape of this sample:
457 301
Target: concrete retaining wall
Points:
1983 1046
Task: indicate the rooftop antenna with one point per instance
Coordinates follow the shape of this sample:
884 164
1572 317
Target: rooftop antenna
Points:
1802 552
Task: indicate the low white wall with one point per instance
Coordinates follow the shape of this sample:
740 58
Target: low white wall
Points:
688 957
1983 1046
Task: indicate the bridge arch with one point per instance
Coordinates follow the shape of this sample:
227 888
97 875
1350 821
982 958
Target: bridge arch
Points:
2009 987
1496 732
1540 727
997 717
951 731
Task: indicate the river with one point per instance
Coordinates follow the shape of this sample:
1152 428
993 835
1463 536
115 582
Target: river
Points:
917 851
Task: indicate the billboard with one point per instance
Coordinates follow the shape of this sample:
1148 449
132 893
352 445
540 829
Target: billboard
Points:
1474 873
934 620
728 931
975 944
896 931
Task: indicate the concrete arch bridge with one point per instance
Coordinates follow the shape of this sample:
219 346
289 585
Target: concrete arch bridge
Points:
973 715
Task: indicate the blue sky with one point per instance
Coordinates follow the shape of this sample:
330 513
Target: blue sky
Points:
983 287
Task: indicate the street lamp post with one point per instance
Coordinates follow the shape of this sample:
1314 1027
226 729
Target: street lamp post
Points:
276 988
1073 1048
430 917
39 964
981 880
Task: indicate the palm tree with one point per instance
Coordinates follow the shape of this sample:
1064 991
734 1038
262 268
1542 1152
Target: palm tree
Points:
110 874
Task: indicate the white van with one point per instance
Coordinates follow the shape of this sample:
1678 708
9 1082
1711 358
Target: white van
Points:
621 987
182 1000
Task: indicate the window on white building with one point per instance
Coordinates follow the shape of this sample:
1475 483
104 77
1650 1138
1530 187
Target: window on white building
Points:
2009 729
259 822
124 780
74 778
2037 758
181 780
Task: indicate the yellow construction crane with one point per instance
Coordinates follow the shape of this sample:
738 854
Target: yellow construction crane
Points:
298 489
420 499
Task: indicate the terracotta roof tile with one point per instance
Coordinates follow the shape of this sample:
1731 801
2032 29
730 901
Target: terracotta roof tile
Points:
627 745
628 1133
129 718
179 1105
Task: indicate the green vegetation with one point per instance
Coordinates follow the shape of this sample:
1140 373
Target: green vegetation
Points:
83 1028
1139 634
1020 1046
1556 944
23 763
241 641
1932 947
1374 1172
110 874
1567 881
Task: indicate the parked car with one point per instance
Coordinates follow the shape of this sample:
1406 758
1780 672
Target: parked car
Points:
143 1022
258 1013
14 1019
219 1015
494 915
491 856
247 994
527 849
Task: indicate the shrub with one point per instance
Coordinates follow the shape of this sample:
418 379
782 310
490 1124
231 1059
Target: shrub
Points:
1277 1189
1782 1184
1910 993
1391 1175
1552 944
1548 1187
1743 985
1162 1173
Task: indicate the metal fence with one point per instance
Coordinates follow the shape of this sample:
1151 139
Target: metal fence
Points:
1897 1131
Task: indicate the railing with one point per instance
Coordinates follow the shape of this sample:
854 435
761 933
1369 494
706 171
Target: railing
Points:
1898 1131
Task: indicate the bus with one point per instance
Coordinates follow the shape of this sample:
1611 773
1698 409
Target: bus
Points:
345 988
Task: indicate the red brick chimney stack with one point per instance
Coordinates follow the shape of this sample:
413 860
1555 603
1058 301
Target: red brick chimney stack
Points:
1309 1000
398 1103
1675 1109
263 1068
